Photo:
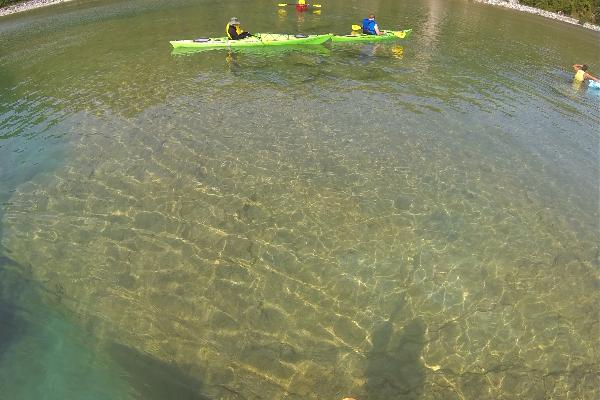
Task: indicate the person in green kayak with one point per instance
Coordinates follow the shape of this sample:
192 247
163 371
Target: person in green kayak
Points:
235 31
581 73
370 27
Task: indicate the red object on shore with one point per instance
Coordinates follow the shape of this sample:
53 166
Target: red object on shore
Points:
301 7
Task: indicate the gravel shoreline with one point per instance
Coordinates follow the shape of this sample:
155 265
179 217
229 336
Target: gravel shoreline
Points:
512 4
28 5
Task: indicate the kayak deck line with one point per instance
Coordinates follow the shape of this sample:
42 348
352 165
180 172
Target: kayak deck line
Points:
362 37
258 39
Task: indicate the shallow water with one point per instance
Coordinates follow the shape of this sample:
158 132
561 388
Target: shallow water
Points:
405 220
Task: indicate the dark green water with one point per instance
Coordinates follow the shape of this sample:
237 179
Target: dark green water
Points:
410 220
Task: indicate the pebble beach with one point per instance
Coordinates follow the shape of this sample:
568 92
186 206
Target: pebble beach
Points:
28 5
532 10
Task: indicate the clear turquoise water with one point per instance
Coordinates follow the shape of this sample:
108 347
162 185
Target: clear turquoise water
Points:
408 220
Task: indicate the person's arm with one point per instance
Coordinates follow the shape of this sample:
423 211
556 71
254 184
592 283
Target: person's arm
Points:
592 77
377 31
233 32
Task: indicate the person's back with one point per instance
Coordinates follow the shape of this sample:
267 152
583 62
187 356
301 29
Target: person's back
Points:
580 72
234 30
369 26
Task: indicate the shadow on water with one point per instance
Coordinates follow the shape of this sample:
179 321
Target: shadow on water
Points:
46 354
394 367
43 354
153 379
10 325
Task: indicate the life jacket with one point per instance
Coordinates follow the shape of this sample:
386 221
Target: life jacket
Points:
580 75
368 26
238 30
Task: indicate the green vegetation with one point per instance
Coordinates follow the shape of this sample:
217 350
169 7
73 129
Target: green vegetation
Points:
583 10
7 2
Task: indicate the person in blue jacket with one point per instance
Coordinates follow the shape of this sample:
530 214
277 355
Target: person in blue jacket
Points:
370 27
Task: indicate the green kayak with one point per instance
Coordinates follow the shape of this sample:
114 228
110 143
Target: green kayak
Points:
259 39
257 50
361 37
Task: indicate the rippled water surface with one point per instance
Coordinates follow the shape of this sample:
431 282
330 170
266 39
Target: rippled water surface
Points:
406 220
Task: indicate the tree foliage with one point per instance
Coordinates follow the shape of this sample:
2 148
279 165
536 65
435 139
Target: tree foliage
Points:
7 2
583 10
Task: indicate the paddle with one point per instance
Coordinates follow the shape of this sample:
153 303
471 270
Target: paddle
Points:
400 34
292 4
